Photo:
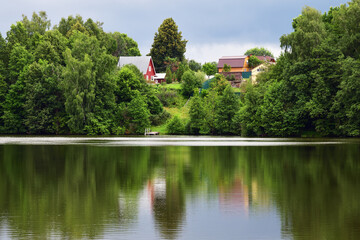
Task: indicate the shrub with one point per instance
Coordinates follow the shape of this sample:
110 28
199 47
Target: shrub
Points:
175 126
161 118
189 83
168 97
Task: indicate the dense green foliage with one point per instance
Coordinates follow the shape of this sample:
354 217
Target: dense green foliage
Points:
194 66
259 52
210 68
254 61
181 70
65 80
175 126
213 111
226 68
168 76
313 88
189 83
168 42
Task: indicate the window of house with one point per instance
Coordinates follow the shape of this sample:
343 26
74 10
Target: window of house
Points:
149 68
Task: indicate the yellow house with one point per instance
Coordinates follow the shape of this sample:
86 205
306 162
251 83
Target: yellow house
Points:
238 64
259 69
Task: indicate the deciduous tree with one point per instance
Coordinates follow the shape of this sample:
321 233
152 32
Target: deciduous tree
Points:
175 126
259 51
194 66
139 115
346 107
254 62
227 105
210 68
79 91
189 83
38 23
44 104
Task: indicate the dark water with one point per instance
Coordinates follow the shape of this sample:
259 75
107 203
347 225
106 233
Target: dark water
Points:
179 188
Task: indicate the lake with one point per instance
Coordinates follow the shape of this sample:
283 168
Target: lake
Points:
179 188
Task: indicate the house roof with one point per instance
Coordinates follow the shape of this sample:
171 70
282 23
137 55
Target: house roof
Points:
141 62
234 62
160 76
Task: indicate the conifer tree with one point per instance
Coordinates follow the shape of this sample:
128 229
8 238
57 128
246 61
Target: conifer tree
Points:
168 42
197 114
168 76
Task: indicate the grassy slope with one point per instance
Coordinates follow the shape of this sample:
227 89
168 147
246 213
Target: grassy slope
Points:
172 86
182 113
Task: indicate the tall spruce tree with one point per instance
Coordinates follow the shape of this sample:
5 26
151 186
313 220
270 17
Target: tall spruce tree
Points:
168 42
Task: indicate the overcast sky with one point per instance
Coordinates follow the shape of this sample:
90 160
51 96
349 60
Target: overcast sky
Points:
212 28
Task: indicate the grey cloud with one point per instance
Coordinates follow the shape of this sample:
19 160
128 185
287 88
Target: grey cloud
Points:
201 21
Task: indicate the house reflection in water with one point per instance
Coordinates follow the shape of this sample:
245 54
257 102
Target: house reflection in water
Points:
156 189
241 198
235 198
168 206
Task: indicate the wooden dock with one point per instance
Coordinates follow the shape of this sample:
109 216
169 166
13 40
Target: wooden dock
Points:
147 132
152 133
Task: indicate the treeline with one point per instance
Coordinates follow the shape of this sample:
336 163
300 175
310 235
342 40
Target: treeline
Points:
313 90
65 80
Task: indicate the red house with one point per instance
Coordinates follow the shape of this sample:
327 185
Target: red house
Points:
143 63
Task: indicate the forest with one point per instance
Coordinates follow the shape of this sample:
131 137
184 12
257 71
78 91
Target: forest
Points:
66 81
312 91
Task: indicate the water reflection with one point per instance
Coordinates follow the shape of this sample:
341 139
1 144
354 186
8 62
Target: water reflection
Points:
82 191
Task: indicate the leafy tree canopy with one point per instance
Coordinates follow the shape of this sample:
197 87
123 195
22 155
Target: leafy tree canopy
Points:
194 66
210 68
259 52
125 46
227 68
189 83
65 80
38 23
254 61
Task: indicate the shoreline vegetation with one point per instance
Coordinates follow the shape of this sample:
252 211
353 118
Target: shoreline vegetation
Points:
64 80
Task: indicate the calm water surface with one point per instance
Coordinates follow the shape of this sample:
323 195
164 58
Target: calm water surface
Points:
179 188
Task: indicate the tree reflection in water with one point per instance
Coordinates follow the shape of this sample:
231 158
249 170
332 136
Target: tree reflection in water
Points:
82 191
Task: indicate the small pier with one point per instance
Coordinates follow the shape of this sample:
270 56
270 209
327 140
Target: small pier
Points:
148 132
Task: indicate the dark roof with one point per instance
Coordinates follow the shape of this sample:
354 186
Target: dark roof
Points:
266 58
234 62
